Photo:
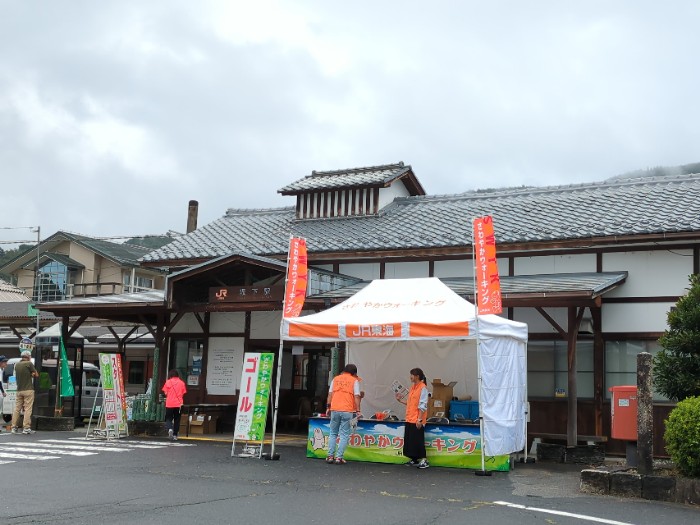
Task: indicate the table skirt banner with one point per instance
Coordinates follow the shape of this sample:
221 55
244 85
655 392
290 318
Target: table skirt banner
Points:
457 446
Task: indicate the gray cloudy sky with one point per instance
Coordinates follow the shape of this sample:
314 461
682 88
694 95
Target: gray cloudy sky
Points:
114 114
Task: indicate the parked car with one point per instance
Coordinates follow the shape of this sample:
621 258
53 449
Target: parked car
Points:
89 384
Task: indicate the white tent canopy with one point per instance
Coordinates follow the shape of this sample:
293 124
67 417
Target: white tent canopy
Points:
394 325
55 331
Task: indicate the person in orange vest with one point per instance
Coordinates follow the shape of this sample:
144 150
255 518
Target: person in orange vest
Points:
344 404
416 416
175 390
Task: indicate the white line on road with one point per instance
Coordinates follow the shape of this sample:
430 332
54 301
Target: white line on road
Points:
78 447
9 455
39 450
92 445
5 462
137 442
562 513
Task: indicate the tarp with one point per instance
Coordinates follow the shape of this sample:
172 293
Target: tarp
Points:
425 309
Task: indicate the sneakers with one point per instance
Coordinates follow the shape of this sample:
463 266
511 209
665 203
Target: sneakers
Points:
28 431
170 433
340 461
411 463
330 459
174 438
423 464
15 430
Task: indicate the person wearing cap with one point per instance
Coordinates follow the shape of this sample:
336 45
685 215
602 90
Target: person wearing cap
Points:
24 372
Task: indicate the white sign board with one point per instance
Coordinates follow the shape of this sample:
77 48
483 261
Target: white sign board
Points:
221 372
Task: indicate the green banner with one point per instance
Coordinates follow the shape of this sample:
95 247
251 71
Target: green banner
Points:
66 380
31 311
451 445
256 380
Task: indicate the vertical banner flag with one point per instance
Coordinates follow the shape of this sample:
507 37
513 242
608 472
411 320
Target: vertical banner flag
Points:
254 396
67 389
488 283
114 399
295 288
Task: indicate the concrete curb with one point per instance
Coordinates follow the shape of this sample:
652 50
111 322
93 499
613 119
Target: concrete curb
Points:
628 483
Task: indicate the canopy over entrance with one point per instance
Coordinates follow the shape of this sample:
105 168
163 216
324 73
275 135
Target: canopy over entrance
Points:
387 314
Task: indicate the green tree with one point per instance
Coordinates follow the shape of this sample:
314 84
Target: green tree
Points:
677 365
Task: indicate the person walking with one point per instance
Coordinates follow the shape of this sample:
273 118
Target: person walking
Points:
344 404
174 390
416 416
3 394
24 373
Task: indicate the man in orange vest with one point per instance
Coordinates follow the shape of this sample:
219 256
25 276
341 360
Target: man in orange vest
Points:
344 404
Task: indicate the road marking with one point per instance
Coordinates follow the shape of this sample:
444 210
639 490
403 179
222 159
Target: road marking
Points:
10 455
39 450
107 445
127 441
562 513
77 447
6 462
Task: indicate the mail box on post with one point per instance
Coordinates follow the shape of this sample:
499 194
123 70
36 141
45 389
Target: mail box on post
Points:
623 413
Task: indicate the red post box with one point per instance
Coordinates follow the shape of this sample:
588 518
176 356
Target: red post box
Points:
623 412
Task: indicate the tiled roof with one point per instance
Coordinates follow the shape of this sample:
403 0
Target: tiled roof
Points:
124 254
11 294
588 283
641 206
372 176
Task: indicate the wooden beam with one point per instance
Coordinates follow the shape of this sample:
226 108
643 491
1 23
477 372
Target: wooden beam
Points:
551 321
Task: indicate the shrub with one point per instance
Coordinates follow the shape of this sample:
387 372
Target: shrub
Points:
683 436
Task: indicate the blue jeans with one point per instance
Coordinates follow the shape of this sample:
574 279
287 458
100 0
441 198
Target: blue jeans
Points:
340 423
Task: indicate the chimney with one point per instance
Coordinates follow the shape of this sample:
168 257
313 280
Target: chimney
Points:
192 216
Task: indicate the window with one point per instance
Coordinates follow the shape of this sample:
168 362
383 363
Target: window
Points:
141 283
136 372
301 367
621 363
187 357
51 282
547 369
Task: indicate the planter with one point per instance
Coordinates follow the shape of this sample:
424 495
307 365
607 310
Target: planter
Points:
53 423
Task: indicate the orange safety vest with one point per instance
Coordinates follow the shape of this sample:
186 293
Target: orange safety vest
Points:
412 411
343 399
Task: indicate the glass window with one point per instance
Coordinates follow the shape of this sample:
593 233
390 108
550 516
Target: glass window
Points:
187 358
136 372
301 367
547 369
92 378
621 363
51 282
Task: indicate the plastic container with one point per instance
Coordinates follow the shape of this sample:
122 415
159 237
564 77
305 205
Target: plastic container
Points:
464 410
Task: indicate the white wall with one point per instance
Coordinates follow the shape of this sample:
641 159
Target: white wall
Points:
387 195
406 270
538 324
188 324
265 325
227 322
656 273
460 268
585 262
368 271
643 317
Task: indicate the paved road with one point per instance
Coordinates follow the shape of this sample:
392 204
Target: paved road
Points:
141 480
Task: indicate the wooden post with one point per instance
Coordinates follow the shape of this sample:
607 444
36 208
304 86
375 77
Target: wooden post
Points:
645 417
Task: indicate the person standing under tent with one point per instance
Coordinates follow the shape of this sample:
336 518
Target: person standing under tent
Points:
174 390
24 372
416 416
344 404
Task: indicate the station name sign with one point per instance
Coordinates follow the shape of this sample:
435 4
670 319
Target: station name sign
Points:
246 294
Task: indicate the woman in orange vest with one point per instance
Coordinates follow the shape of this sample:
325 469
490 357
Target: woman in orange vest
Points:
344 404
416 416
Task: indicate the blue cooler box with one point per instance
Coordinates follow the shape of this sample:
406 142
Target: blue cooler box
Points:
464 410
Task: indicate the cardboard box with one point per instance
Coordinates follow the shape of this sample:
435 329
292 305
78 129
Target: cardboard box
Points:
440 398
203 424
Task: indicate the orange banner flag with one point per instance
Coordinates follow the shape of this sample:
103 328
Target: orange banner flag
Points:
488 283
297 278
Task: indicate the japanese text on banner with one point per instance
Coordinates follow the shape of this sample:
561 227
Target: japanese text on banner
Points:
251 415
488 283
295 289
